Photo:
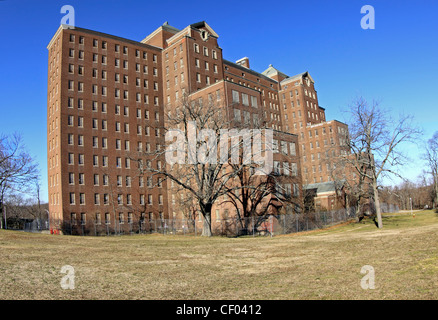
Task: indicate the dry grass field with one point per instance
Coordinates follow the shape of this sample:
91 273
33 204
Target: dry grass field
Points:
324 264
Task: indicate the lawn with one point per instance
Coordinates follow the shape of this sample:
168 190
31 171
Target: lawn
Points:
324 264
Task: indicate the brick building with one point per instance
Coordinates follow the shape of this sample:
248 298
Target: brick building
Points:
108 96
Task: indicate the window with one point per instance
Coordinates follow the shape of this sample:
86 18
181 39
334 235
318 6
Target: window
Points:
237 116
246 117
292 148
235 96
119 181
72 198
95 160
286 170
275 146
98 219
105 179
70 139
276 168
71 178
71 158
81 198
128 181
254 101
80 140
283 145
96 199
107 218
245 100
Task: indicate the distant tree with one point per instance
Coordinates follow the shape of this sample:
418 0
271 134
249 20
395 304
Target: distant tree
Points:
431 157
18 170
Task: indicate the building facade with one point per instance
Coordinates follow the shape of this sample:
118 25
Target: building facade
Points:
108 98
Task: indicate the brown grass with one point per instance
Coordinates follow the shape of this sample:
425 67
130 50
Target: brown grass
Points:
319 265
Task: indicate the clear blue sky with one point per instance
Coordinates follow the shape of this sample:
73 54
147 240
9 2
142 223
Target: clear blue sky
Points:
395 63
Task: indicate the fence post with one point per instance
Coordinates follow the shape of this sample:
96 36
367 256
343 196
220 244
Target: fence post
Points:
296 218
235 224
284 224
272 224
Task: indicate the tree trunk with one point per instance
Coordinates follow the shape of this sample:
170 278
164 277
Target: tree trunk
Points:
358 214
206 227
377 204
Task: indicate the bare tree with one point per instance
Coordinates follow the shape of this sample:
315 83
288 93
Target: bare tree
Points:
255 197
196 169
375 142
431 157
18 171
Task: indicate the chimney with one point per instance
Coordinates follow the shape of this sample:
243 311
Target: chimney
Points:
244 62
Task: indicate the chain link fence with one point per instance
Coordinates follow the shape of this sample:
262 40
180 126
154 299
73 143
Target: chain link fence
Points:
270 225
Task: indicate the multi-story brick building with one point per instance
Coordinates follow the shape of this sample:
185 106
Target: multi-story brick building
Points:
108 96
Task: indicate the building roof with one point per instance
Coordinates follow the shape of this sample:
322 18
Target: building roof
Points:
322 187
238 66
168 27
203 24
164 26
101 34
298 76
271 71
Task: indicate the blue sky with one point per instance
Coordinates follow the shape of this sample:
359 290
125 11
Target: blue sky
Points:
396 63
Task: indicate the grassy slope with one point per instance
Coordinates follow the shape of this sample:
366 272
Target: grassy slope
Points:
318 265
